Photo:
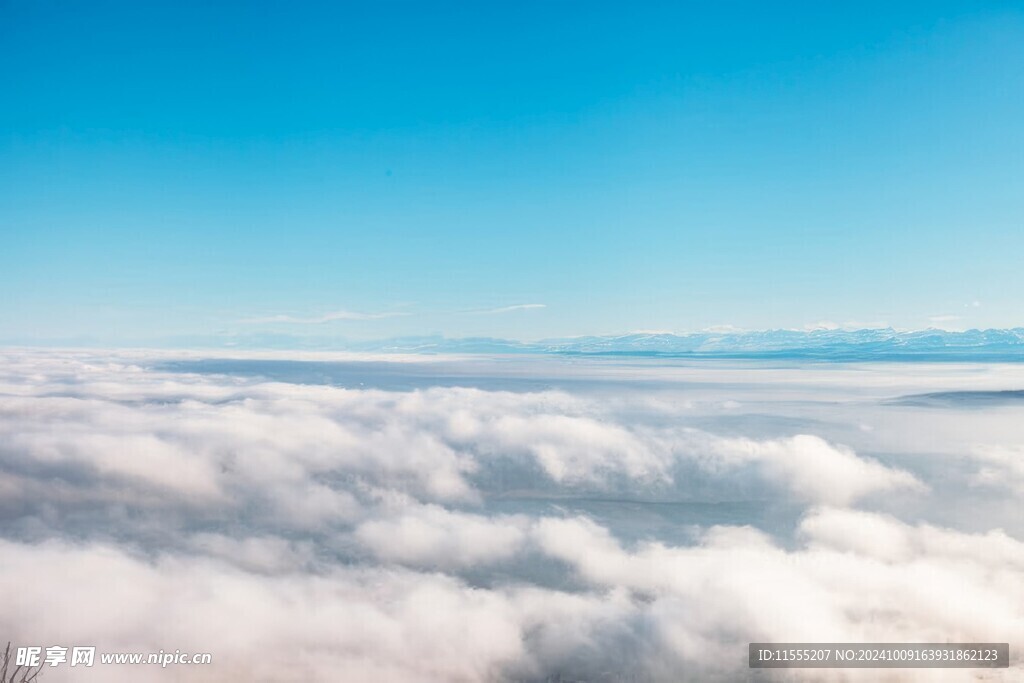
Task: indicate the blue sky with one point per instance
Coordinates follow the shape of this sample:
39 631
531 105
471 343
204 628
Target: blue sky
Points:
512 169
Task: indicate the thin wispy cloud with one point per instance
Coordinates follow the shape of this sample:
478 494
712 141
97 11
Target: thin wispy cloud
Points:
507 309
849 325
343 315
325 318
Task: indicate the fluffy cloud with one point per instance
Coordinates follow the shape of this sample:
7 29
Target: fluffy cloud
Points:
314 532
435 537
345 624
650 611
816 470
858 577
300 452
1000 467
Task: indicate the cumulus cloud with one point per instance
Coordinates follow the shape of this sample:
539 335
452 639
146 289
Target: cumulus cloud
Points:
816 470
435 537
1000 467
345 624
647 611
858 577
585 532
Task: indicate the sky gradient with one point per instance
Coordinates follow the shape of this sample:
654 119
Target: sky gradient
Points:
522 170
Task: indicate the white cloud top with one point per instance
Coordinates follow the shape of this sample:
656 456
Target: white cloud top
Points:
313 532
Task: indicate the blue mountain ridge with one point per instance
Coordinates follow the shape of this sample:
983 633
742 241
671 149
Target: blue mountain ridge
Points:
882 344
866 344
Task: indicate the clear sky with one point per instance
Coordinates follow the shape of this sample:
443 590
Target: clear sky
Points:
514 169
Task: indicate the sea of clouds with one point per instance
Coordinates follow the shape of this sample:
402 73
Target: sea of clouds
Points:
324 518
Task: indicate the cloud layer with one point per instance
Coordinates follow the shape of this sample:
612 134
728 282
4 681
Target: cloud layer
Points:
315 532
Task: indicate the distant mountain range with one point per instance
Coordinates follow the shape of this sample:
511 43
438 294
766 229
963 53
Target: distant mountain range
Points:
997 345
870 344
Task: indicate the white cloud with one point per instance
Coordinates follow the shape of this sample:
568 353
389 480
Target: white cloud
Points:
815 470
822 325
509 309
432 536
858 578
941 319
333 316
723 329
347 624
319 533
1000 467
270 554
306 453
